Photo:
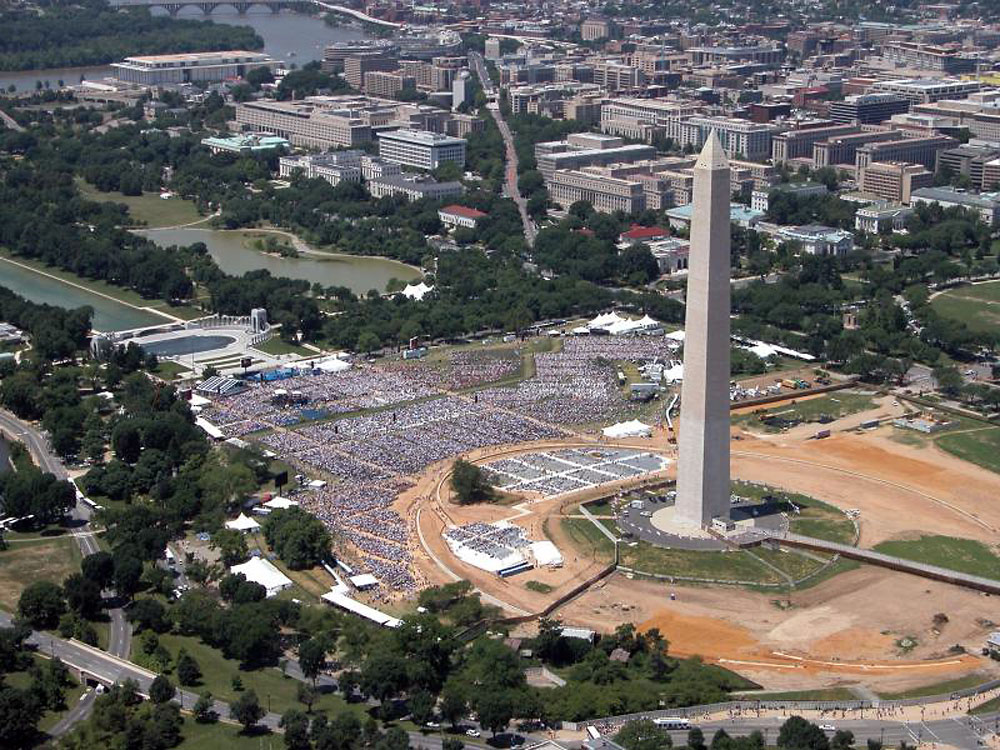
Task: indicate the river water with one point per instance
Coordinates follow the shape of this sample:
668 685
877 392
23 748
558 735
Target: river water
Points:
230 250
292 37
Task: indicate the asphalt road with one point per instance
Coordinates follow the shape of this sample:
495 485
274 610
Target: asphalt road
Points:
511 154
119 632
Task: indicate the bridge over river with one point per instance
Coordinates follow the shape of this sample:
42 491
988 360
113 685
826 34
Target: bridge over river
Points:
242 6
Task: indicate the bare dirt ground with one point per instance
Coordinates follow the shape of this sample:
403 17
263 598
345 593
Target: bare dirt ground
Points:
841 632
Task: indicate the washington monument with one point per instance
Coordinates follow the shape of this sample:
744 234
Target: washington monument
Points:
703 464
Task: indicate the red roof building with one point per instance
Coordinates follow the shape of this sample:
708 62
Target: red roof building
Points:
460 216
640 233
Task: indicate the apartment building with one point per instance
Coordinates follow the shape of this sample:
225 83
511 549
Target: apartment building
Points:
388 84
868 108
894 181
358 64
594 185
420 149
915 150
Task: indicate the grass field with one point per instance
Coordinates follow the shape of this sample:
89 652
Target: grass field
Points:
987 708
720 566
963 555
815 518
539 587
977 306
268 682
197 736
938 688
790 562
837 405
44 560
277 346
588 539
148 208
981 447
169 370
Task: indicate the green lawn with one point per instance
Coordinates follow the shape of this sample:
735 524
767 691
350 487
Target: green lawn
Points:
815 518
836 405
539 587
938 688
24 562
721 566
148 208
981 447
277 346
988 707
977 306
600 507
789 561
169 370
588 539
268 682
197 736
963 555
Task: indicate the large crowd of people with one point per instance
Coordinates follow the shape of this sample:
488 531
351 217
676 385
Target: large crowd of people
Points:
467 368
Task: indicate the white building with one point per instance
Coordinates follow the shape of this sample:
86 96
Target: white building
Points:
420 148
816 239
190 67
335 167
414 188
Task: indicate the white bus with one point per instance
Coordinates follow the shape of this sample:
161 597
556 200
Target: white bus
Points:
672 722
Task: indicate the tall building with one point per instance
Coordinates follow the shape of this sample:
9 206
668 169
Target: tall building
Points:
894 181
703 460
420 148
356 65
868 108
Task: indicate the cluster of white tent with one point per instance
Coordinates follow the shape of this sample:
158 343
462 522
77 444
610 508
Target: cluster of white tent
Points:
617 325
333 364
416 291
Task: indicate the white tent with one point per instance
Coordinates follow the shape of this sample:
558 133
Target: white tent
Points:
546 554
675 335
634 428
259 570
647 322
243 523
606 320
280 503
333 364
416 291
674 373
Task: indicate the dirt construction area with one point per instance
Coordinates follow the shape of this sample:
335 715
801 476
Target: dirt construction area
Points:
867 626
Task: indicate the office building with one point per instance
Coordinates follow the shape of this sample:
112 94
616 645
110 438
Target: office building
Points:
594 185
413 188
924 90
987 205
389 85
882 216
594 29
969 161
842 150
421 149
304 123
334 167
245 144
191 67
740 138
916 150
928 57
335 54
615 75
893 181
798 144
760 199
868 108
764 56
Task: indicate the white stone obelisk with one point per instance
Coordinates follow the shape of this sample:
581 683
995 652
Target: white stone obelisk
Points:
703 461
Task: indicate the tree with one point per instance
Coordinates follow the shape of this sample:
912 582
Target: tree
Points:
247 710
128 571
149 614
843 739
99 568
643 735
306 695
453 702
188 671
19 716
421 707
204 710
82 595
312 657
450 743
799 734
41 604
296 726
161 690
232 546
495 709
368 341
469 484
696 739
